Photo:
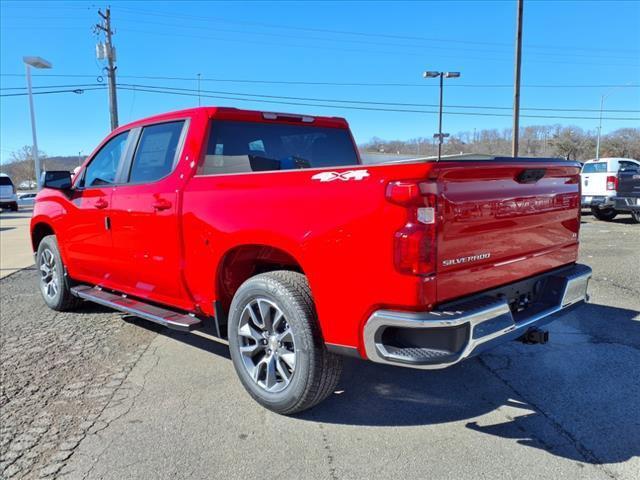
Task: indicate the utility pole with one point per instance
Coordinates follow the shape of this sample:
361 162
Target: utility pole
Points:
516 90
110 54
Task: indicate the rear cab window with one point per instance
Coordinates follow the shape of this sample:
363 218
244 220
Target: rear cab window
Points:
594 167
243 147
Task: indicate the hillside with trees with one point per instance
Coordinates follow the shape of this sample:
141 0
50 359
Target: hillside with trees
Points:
570 143
20 166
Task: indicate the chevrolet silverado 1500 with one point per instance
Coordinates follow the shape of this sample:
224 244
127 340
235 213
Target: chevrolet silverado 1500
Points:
268 228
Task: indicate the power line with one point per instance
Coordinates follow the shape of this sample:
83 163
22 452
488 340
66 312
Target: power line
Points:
297 44
334 100
352 107
207 78
191 27
399 48
173 16
51 86
369 102
76 90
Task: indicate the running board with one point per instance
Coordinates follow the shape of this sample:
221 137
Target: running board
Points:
162 316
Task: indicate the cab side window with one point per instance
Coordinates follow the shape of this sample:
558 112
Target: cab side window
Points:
102 169
156 152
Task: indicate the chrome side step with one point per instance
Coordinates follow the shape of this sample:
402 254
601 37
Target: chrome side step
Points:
162 316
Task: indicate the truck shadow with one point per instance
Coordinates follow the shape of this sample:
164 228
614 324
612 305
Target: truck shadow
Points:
577 397
202 339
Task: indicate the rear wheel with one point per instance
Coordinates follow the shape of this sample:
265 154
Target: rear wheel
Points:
276 345
54 284
14 207
605 214
635 216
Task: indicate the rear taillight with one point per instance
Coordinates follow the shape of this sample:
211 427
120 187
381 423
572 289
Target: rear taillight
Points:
612 182
415 243
13 187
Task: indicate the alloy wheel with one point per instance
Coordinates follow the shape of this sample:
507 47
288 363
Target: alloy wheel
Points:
48 274
267 345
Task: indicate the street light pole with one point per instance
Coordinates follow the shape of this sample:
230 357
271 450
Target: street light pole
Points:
35 62
603 97
442 75
599 128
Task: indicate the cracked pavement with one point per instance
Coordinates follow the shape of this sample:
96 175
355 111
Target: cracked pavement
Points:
89 395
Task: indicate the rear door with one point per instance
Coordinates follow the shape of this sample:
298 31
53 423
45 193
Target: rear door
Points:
594 178
87 238
502 222
145 220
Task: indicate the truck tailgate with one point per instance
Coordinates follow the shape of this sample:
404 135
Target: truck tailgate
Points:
500 222
629 183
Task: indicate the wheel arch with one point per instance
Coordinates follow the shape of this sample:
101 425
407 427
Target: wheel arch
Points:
242 262
38 231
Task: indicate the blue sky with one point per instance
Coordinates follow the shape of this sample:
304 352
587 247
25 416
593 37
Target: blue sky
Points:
584 46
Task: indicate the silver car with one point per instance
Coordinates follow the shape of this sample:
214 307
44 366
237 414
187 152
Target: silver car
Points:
26 200
8 197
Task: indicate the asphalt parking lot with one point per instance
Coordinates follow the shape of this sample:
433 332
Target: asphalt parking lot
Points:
93 395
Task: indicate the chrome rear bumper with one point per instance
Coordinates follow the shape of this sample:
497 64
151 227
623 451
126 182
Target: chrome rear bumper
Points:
458 330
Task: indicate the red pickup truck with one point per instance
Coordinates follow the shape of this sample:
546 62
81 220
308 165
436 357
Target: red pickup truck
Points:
267 229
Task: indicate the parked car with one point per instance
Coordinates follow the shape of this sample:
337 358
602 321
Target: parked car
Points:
8 198
267 227
628 193
27 185
600 182
26 199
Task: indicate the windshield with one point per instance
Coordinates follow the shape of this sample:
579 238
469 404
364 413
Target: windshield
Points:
237 147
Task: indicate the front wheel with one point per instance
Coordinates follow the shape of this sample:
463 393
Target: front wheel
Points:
635 216
276 345
54 284
605 214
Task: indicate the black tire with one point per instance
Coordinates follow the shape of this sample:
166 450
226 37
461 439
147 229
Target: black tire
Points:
317 371
605 214
635 216
14 207
52 272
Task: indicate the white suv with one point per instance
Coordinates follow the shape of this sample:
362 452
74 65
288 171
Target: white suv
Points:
599 184
8 197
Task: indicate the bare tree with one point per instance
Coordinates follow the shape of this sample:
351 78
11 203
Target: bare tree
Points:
21 166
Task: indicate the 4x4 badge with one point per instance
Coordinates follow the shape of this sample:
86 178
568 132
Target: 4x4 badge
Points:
344 176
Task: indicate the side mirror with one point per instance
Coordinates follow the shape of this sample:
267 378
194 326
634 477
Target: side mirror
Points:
57 179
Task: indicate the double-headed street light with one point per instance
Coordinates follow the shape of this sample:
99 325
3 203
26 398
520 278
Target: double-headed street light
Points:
432 74
603 97
35 62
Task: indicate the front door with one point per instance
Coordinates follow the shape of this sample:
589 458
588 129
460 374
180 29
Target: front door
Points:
145 222
88 240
